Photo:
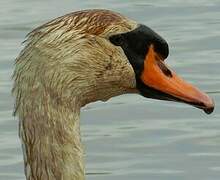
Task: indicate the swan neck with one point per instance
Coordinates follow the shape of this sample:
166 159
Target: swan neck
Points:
52 147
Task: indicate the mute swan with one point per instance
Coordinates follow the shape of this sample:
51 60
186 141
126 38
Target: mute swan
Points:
79 58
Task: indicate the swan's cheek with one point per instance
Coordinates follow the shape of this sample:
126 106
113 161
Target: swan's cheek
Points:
128 80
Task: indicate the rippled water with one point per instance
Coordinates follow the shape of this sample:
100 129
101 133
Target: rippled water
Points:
130 137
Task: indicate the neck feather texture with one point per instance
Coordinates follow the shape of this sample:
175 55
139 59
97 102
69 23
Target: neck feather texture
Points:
52 148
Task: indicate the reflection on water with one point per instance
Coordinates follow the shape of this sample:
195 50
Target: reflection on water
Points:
213 92
130 137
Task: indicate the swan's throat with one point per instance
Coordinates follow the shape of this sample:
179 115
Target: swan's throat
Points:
52 148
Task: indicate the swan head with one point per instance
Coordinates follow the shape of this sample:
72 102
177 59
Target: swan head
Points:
97 54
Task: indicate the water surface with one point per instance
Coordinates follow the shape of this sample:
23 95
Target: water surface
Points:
130 137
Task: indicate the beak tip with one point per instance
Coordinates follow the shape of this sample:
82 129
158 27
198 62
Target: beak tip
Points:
210 108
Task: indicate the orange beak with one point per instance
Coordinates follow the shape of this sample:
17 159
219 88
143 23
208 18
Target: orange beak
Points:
158 76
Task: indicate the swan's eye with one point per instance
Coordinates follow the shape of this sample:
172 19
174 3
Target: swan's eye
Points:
117 40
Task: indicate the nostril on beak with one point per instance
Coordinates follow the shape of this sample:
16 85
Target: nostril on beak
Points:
164 69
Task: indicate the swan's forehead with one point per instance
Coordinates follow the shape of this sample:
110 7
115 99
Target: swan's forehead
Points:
94 22
101 22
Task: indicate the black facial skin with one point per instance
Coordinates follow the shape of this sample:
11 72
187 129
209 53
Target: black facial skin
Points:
135 45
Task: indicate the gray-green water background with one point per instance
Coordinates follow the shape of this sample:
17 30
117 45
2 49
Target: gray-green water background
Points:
130 137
